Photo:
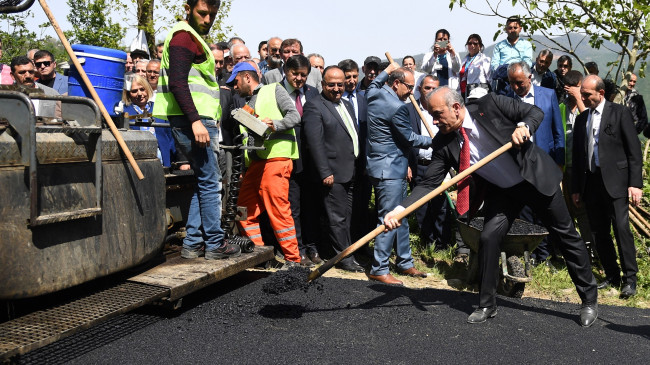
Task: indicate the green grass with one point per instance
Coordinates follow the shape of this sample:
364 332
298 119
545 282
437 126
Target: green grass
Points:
550 283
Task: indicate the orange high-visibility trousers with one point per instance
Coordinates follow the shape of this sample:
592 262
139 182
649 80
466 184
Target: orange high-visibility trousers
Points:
266 188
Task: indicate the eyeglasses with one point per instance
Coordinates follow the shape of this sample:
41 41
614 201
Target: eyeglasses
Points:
43 64
472 43
408 86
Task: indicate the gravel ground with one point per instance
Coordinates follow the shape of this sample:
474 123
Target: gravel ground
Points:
353 322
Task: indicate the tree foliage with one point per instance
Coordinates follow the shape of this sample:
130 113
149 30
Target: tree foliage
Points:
155 17
622 22
17 38
91 24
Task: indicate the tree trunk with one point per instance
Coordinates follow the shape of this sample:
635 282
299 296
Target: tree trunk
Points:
145 22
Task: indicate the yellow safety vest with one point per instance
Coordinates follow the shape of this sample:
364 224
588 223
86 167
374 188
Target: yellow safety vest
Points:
201 81
279 144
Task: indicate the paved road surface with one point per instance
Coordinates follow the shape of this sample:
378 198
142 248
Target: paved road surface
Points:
354 322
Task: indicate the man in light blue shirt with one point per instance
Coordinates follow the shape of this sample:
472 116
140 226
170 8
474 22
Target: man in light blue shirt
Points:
512 49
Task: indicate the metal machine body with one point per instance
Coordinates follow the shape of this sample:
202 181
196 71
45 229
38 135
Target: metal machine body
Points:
71 208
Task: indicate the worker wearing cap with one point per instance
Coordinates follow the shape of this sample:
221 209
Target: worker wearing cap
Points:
266 183
188 96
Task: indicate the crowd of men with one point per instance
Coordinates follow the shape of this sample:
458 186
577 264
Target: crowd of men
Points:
334 139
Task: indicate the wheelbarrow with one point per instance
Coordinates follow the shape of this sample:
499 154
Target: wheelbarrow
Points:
522 239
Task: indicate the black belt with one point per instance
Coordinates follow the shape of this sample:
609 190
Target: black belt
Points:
423 162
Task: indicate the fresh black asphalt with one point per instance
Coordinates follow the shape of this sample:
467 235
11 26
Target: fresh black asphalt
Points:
353 322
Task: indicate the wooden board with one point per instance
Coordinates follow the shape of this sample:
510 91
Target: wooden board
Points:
185 276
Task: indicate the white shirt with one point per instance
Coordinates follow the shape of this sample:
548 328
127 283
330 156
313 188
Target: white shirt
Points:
537 77
529 98
502 171
292 92
594 121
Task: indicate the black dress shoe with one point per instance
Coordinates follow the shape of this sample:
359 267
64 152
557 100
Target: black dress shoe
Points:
481 315
313 256
349 266
609 283
628 290
588 315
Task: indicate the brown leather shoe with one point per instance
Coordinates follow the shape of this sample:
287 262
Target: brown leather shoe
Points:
313 256
386 279
413 272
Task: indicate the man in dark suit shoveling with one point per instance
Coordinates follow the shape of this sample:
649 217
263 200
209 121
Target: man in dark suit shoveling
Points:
525 175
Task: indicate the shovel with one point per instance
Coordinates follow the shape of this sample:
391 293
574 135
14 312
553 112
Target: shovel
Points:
318 272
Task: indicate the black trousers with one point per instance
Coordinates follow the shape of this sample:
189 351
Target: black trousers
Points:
432 217
337 201
363 219
502 206
605 213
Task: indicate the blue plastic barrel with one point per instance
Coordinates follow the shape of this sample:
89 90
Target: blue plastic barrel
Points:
105 69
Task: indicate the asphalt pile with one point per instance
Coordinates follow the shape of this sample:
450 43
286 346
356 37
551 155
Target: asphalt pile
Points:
295 278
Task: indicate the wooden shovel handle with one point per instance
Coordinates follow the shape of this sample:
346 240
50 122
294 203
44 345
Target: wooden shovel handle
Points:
93 93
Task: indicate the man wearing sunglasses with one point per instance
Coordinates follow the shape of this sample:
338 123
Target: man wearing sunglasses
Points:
45 71
390 138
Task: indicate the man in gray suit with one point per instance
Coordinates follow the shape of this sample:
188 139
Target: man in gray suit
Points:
291 47
390 138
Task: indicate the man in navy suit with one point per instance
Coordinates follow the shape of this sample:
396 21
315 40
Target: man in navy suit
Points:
331 132
549 136
362 222
296 70
607 177
390 138
524 175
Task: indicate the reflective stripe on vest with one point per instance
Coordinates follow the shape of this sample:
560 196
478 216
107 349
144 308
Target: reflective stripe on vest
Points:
201 82
279 144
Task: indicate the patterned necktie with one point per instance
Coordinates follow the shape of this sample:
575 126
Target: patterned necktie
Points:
591 160
462 201
350 128
298 102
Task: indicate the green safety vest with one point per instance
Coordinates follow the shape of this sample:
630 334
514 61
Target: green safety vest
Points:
279 144
201 81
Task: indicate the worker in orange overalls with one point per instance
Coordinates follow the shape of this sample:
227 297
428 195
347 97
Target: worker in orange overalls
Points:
266 183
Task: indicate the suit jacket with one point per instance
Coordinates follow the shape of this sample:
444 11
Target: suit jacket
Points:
549 79
330 143
229 101
550 134
60 83
313 79
499 115
390 136
619 151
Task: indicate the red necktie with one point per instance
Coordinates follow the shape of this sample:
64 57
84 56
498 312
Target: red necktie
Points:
463 79
462 200
298 102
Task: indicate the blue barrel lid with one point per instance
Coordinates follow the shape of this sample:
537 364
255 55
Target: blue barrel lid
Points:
116 53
